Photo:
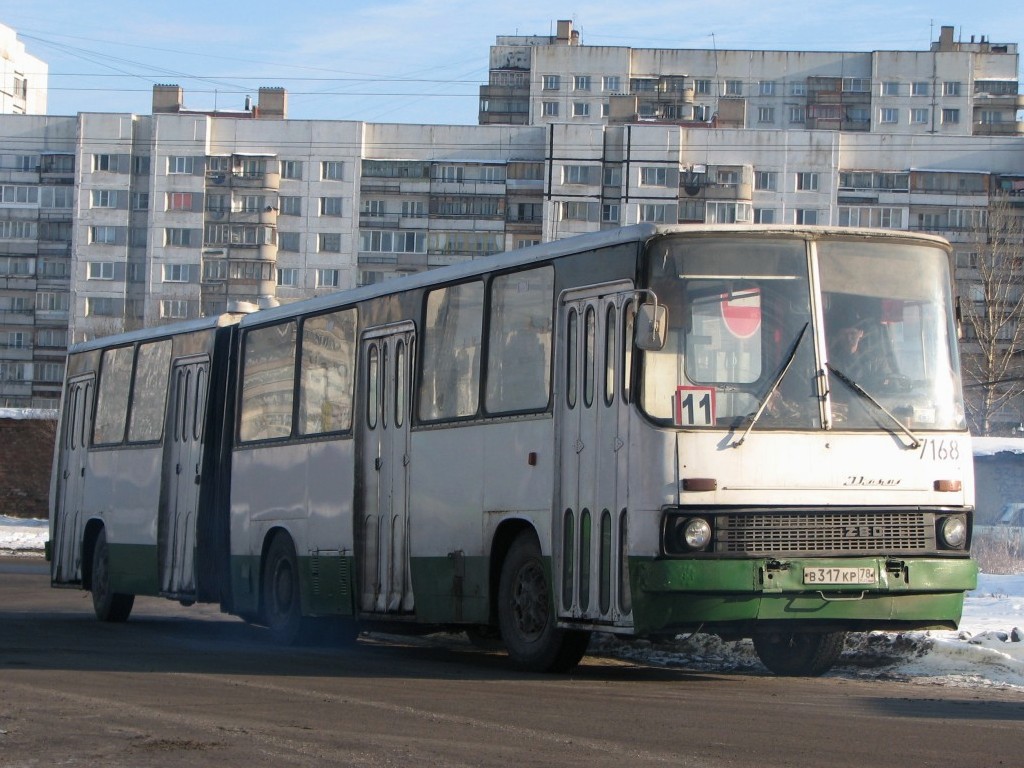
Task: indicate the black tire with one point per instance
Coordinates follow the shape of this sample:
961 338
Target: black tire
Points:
526 614
799 654
282 603
108 605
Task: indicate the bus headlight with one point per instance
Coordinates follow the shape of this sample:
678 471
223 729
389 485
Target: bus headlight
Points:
694 534
953 532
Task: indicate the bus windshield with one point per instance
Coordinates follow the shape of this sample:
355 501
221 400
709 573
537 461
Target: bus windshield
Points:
742 336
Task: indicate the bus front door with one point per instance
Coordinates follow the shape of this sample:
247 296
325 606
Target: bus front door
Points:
590 529
182 475
66 562
383 537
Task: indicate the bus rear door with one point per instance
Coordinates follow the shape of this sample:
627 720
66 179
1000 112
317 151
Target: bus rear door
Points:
66 565
182 476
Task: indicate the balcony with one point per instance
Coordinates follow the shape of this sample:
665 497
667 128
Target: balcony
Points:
1007 128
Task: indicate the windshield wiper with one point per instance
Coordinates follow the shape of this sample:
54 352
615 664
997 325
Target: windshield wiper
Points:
915 441
775 385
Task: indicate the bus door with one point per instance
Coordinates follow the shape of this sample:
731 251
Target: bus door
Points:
594 417
66 565
183 460
386 360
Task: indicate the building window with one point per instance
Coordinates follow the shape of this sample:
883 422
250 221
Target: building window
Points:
807 182
764 215
919 115
288 241
215 270
140 201
797 115
287 277
951 88
103 234
331 170
575 174
653 176
656 213
612 83
181 164
330 206
551 83
104 198
733 87
580 109
176 309
766 115
798 88
920 88
454 174
888 115
702 86
180 237
727 213
766 88
103 306
100 270
290 205
950 116
329 242
766 181
890 88
581 83
610 213
291 169
328 278
415 209
179 201
549 108
105 163
575 210
856 85
175 273
805 216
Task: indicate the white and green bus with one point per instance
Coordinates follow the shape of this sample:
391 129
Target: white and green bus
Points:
752 431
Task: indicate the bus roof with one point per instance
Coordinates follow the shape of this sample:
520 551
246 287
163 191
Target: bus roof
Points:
543 252
156 332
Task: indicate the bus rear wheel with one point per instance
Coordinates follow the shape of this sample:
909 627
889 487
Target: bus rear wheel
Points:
799 654
526 617
107 604
282 605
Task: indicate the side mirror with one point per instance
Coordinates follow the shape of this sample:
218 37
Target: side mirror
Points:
651 322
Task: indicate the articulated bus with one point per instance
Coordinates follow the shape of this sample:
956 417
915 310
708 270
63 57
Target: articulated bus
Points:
752 431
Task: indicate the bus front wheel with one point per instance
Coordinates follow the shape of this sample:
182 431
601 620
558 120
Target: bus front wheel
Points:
108 605
799 654
526 617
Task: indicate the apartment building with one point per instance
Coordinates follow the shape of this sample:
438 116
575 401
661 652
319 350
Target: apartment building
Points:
23 77
112 221
956 88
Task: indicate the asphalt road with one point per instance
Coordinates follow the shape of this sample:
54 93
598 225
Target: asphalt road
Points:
181 686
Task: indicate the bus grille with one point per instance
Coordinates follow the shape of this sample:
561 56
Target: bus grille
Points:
820 532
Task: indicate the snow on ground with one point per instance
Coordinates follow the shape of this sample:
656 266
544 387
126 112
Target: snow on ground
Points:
987 650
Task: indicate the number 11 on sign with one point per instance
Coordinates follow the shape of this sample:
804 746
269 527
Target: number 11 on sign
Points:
695 407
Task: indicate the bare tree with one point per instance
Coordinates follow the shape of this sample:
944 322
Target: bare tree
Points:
992 316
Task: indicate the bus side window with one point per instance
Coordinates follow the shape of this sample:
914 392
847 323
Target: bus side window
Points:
268 382
112 400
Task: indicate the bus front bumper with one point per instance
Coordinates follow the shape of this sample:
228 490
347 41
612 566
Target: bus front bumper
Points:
725 595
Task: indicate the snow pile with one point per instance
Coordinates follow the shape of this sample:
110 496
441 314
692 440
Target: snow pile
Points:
987 650
22 537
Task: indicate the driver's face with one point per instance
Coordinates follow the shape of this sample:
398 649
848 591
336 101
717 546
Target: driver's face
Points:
848 339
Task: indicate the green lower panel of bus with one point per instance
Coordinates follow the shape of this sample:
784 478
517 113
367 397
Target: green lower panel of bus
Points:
445 589
133 569
878 593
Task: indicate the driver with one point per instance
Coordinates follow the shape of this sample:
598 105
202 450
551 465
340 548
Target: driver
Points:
856 347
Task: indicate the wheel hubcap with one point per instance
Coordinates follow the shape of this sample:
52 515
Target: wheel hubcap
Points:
530 601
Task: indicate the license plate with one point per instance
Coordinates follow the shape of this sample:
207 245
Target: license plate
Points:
834 576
